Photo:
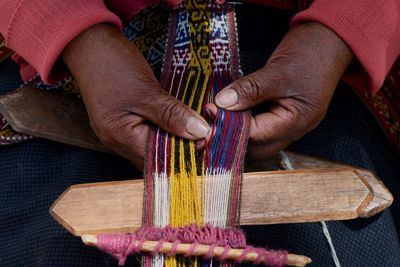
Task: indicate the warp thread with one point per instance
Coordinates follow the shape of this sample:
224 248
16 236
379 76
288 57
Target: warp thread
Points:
120 246
201 58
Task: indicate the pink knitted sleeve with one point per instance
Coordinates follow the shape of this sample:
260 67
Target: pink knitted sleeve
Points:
39 30
371 29
126 9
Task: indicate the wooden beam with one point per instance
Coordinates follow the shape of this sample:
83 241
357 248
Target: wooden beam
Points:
382 196
267 198
52 116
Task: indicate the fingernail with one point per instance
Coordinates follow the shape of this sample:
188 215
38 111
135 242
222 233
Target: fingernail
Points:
197 127
227 98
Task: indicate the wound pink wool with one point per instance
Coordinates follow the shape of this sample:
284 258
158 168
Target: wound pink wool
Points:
174 248
122 245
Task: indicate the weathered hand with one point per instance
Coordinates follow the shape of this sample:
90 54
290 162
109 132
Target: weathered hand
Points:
121 93
294 87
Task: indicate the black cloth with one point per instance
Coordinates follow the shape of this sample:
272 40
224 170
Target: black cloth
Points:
34 173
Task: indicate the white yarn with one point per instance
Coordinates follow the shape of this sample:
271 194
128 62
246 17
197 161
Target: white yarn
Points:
330 242
216 197
161 209
288 165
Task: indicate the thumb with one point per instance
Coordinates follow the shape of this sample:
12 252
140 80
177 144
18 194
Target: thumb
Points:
250 90
177 118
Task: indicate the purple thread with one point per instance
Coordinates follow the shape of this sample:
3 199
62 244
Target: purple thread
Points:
122 245
260 255
210 252
224 254
244 254
131 248
174 248
276 258
157 248
191 250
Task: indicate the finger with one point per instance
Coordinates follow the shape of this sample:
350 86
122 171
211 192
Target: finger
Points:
126 135
211 110
134 148
251 90
284 121
176 118
201 144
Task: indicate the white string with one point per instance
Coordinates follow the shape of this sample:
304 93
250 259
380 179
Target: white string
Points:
288 165
330 242
216 197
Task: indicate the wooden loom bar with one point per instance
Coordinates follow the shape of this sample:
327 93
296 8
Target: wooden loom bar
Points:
201 250
267 198
62 119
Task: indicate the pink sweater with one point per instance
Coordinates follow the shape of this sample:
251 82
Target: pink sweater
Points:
39 30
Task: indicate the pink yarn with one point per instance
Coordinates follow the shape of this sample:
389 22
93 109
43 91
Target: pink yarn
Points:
158 247
224 254
244 253
191 250
210 252
174 248
122 245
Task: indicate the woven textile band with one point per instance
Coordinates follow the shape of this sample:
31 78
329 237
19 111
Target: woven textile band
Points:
201 58
193 197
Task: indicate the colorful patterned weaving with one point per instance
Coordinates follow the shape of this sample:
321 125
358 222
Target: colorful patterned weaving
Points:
193 197
201 59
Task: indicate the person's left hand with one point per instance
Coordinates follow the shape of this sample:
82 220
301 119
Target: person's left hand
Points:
298 82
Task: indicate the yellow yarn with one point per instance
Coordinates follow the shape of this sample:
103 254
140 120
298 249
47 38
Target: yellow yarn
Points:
186 198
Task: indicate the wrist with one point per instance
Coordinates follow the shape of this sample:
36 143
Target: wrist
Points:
313 48
330 54
102 60
89 42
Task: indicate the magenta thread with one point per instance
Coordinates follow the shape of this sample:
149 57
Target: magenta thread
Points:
224 254
210 252
122 245
191 250
174 248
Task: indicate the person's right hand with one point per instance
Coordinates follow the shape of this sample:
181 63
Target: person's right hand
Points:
120 93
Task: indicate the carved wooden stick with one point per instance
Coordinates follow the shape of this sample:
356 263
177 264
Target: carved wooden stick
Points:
267 198
201 250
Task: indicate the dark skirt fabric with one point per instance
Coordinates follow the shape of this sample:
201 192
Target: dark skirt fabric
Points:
34 173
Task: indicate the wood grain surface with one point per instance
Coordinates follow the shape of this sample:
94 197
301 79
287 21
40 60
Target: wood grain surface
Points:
382 198
51 116
267 198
